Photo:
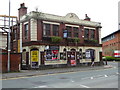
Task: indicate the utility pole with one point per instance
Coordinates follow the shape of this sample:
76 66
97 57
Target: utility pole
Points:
9 41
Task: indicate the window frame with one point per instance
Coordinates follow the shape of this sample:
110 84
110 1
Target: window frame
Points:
26 28
55 30
86 35
69 31
92 36
76 31
46 29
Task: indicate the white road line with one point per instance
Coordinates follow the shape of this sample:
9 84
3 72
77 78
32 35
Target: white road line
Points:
117 73
41 86
72 81
84 86
106 76
91 78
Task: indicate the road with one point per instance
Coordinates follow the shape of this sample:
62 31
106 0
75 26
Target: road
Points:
103 78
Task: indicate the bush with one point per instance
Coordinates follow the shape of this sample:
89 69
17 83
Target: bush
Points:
95 41
110 58
56 39
76 40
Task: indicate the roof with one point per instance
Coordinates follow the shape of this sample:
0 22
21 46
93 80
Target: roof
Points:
111 34
69 18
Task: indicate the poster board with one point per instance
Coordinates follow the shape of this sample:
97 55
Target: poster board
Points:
34 58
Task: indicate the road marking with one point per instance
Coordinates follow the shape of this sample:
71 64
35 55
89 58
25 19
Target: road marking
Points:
50 74
91 78
84 86
41 86
117 73
72 81
106 76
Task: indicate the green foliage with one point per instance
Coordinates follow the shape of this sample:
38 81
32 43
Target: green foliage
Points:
94 41
76 40
56 39
110 58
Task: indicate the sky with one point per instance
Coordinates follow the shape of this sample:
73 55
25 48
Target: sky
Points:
103 11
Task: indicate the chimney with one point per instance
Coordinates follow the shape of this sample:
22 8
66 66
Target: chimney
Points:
87 18
22 10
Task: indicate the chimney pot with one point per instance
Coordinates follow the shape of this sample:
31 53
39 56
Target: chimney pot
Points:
86 15
87 18
22 5
22 10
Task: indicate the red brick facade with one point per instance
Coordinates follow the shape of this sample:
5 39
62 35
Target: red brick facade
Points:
39 37
110 45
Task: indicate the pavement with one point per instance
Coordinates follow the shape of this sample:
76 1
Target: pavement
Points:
29 73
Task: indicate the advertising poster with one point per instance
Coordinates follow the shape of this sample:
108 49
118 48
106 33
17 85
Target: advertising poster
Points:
88 55
73 62
117 53
34 58
52 55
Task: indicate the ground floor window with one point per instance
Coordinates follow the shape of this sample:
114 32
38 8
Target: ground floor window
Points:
52 53
90 53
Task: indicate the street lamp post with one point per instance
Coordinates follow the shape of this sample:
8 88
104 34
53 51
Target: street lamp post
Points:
9 41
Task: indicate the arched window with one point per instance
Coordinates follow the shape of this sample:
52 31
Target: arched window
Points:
64 50
90 53
73 50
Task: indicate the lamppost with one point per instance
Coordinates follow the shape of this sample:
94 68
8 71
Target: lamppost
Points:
9 41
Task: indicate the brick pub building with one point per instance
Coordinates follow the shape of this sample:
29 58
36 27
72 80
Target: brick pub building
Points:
52 40
111 43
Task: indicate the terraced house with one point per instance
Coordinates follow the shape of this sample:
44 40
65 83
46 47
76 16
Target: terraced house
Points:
52 40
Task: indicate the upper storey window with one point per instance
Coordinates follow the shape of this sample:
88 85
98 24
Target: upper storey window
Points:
92 33
76 32
55 29
69 30
46 29
14 34
89 33
86 33
26 31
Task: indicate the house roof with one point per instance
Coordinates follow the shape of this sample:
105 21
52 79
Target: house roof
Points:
118 31
69 18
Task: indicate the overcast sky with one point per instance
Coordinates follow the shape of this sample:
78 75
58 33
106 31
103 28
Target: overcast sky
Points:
104 11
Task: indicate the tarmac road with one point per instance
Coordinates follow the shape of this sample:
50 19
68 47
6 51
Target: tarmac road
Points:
101 78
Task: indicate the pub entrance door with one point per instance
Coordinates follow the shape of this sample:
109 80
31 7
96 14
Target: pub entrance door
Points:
73 57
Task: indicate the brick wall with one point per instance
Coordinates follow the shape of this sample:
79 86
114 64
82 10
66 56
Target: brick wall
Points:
15 60
111 45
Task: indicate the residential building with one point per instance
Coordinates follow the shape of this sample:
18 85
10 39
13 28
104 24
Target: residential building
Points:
3 40
47 39
111 43
4 29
